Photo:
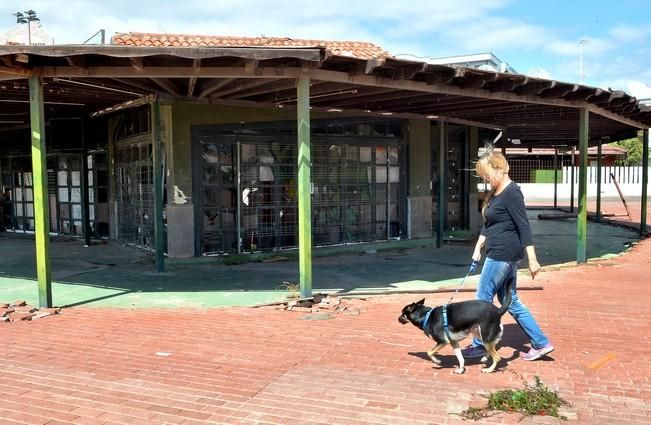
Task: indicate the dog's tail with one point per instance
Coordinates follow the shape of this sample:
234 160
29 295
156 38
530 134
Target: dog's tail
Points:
506 302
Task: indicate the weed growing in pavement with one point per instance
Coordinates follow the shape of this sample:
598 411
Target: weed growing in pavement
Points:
531 400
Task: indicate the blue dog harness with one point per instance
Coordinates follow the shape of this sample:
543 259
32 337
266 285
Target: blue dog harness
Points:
446 328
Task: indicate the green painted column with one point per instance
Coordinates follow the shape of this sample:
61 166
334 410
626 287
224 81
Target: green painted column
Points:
646 139
41 211
598 208
442 198
555 178
304 185
582 217
159 232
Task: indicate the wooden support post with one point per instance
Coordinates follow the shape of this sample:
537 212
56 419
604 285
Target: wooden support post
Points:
304 187
442 198
156 145
598 207
41 211
646 140
582 217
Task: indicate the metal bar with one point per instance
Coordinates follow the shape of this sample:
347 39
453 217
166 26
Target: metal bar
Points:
599 161
582 217
85 213
441 179
39 173
555 178
646 140
304 192
159 233
388 203
238 218
572 179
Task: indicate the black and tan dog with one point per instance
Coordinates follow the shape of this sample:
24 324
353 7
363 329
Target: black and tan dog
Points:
452 323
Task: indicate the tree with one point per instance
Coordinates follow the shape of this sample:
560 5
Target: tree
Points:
634 148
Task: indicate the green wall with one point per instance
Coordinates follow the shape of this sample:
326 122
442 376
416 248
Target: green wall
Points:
419 157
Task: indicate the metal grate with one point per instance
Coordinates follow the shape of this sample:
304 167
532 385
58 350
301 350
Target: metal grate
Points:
134 194
355 194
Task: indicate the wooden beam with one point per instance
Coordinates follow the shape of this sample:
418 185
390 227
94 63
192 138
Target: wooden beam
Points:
304 185
251 65
561 90
239 86
137 84
77 62
196 65
372 64
207 91
430 86
167 85
121 51
269 87
41 210
582 217
137 63
157 150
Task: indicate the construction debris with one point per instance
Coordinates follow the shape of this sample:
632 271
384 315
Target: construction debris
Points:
319 303
20 310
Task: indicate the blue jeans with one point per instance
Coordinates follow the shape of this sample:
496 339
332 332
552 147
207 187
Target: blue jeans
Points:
495 276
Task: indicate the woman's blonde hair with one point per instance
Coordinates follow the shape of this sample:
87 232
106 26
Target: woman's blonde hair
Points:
491 164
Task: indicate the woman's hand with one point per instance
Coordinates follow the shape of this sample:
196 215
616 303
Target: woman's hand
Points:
476 256
534 268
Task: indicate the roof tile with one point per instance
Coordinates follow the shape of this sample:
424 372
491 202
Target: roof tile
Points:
356 49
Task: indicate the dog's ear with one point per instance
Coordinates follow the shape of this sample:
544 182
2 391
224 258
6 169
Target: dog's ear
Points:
421 302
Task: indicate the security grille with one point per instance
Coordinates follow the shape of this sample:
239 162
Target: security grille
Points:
134 193
355 190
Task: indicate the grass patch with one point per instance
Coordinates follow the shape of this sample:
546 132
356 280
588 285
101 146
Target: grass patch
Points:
532 400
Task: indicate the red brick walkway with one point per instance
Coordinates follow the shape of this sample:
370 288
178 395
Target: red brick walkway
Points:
254 366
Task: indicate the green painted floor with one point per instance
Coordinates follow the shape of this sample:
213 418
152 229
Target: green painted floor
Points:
110 274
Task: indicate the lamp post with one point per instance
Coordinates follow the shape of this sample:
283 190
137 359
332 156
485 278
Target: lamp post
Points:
26 18
582 43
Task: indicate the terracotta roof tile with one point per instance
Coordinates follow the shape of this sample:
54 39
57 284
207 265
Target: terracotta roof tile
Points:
356 49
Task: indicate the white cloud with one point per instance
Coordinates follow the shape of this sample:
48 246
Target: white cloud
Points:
75 20
630 33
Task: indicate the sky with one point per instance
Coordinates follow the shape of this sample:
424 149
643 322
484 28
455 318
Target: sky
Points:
540 38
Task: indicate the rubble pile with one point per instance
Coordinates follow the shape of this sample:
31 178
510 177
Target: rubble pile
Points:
20 310
321 303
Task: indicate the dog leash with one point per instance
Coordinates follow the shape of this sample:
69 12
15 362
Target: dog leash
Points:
473 267
444 312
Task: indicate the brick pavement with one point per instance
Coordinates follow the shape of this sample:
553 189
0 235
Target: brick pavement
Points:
260 366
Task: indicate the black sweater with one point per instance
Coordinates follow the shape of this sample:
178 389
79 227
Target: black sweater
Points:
506 226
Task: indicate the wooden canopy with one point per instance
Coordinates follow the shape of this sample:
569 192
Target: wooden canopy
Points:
100 79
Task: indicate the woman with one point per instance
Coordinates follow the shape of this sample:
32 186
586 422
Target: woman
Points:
505 235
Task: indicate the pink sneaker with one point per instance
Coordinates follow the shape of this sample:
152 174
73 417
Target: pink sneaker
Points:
534 354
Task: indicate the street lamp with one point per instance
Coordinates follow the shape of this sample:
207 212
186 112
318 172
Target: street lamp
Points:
582 43
26 18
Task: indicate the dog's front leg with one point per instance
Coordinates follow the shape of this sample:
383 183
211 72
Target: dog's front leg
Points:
457 352
432 353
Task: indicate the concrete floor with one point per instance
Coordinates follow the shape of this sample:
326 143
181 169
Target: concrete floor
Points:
110 274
